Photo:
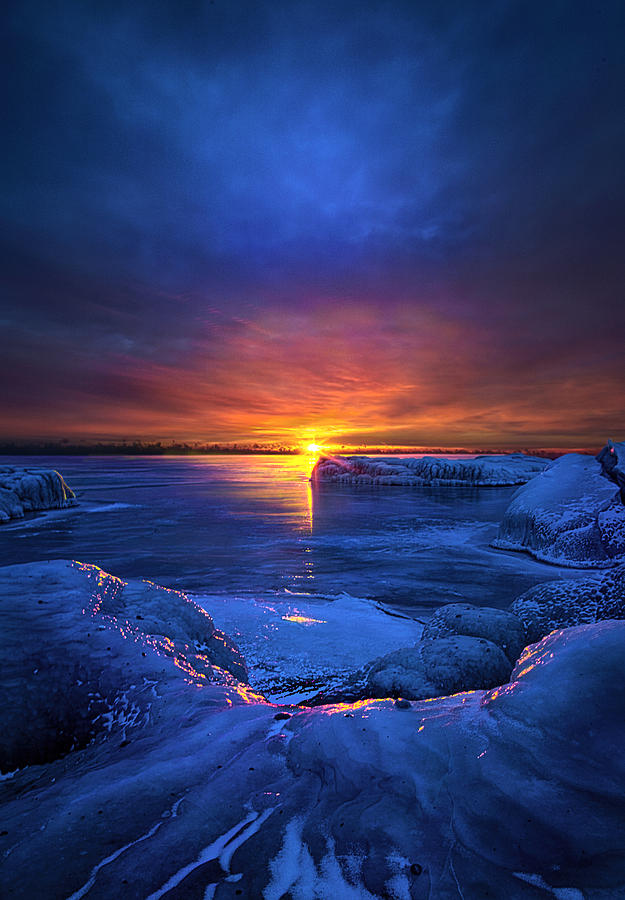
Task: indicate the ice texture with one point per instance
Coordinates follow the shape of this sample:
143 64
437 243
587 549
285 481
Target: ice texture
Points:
29 490
570 514
511 792
513 468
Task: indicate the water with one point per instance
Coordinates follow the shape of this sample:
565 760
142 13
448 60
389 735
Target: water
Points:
255 526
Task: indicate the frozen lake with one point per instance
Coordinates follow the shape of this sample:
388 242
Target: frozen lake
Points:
254 526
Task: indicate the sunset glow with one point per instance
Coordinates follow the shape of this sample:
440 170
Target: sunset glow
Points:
251 259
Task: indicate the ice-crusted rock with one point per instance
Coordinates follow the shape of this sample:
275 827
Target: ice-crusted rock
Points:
612 461
515 468
436 668
514 792
29 490
570 514
562 604
499 626
81 651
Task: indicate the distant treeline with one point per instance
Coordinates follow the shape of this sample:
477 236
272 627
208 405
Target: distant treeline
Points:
135 448
158 448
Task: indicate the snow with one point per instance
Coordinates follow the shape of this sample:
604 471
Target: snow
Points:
514 791
29 490
570 514
514 468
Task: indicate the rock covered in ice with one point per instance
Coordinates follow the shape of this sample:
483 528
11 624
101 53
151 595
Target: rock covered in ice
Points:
81 652
612 461
513 792
436 668
514 468
29 490
570 514
562 604
499 626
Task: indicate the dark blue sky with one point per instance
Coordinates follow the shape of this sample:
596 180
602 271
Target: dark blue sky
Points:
371 221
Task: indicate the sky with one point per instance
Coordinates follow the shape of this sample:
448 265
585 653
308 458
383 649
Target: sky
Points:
347 222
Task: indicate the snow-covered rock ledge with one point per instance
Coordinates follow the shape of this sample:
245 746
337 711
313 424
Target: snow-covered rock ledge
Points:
501 470
571 514
194 786
29 490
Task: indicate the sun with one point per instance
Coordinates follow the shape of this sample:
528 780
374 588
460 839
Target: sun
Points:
314 448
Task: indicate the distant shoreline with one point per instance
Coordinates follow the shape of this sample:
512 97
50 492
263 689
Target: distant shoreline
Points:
155 449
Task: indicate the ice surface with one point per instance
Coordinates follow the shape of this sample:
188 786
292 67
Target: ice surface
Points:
296 644
570 514
29 490
513 792
514 468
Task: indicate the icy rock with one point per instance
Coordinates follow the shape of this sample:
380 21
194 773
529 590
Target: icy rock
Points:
562 604
570 514
515 468
612 461
438 667
499 626
29 490
78 660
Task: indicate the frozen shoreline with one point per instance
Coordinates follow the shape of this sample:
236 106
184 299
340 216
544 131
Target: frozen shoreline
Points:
496 470
134 749
180 776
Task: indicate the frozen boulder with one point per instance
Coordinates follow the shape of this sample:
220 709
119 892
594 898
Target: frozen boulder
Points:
570 514
29 490
436 668
514 468
82 653
563 604
499 626
612 461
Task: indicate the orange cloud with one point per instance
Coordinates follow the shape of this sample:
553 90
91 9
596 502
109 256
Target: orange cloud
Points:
337 373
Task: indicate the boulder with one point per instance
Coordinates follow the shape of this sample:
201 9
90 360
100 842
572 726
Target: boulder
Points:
499 626
563 604
30 490
439 667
